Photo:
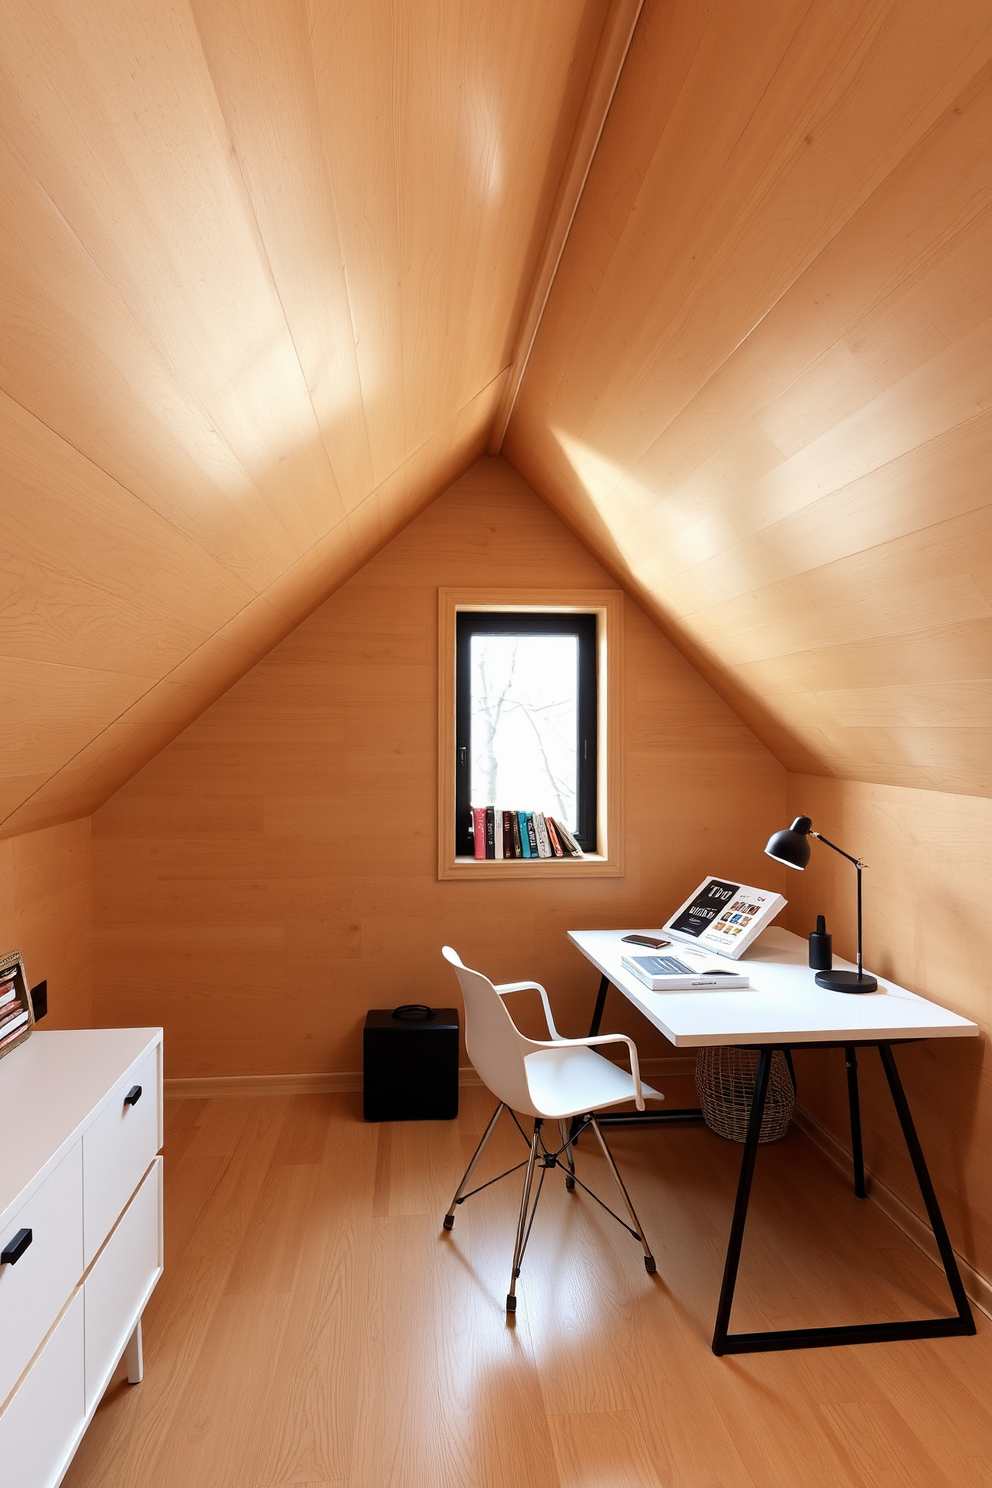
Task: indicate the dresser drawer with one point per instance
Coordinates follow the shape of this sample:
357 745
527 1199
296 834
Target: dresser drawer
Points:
117 1150
41 1425
36 1288
118 1286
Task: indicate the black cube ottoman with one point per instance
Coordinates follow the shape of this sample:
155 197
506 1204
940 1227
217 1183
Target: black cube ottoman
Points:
411 1068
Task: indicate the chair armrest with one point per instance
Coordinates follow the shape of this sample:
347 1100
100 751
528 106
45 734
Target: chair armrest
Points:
506 987
603 1038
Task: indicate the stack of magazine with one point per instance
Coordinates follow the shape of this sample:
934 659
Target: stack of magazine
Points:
520 834
13 1013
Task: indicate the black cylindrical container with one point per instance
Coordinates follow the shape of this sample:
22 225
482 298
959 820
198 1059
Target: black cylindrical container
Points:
821 953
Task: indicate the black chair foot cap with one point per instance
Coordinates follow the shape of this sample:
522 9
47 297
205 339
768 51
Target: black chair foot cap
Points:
570 1184
649 1265
511 1303
449 1221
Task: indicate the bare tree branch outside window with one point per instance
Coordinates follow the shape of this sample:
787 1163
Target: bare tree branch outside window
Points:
524 708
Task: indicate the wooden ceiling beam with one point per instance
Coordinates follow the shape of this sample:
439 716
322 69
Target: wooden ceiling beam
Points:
617 35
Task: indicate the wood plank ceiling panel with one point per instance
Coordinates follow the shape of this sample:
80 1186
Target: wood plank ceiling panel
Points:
762 388
263 265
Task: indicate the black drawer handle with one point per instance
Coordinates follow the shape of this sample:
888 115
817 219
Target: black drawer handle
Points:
14 1249
133 1096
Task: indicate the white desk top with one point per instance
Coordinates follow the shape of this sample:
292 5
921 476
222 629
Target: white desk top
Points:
783 1004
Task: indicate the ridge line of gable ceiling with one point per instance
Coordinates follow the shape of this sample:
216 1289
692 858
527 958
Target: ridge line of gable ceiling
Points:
615 42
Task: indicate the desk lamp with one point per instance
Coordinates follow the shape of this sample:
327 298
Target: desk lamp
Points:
791 847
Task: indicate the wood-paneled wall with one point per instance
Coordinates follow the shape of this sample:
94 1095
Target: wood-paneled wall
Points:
929 857
263 263
46 887
272 873
761 389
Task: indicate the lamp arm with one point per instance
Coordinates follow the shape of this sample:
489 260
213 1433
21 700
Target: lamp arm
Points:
859 865
827 843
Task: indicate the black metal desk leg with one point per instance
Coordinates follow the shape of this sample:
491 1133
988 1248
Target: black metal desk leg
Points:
853 1100
740 1208
926 1189
597 1016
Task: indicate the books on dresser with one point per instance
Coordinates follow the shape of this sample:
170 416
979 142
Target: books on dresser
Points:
16 1014
498 833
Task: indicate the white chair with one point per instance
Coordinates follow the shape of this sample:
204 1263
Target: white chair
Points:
549 1080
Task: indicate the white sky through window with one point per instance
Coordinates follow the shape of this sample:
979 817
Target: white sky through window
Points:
524 716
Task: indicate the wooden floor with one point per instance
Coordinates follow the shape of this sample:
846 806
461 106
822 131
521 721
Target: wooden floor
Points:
316 1327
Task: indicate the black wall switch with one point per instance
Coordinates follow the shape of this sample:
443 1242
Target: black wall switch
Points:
39 1000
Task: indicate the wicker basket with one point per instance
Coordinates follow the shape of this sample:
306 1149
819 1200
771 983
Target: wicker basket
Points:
725 1081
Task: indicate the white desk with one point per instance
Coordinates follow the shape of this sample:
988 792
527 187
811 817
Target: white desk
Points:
783 1004
784 1007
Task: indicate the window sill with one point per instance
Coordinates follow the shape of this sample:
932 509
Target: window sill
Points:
593 865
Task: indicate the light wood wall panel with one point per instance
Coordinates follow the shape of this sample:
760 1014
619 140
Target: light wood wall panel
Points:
263 265
761 389
273 873
46 886
929 857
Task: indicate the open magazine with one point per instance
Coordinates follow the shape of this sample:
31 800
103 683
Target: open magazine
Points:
724 917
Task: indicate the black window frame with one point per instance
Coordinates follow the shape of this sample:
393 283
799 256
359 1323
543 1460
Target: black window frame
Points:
584 626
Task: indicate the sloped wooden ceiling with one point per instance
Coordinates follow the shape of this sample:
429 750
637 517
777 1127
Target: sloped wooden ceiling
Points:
273 270
264 262
760 390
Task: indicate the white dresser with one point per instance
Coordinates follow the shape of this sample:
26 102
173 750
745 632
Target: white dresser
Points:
81 1227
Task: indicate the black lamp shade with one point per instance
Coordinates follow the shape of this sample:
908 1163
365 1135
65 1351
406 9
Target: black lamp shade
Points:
791 846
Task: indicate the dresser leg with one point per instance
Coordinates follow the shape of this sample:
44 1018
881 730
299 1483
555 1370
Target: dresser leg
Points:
133 1357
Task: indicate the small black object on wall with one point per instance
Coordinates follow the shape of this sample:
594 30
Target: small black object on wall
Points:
39 1000
821 947
411 1064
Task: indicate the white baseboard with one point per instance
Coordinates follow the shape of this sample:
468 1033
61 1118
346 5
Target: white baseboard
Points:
978 1287
198 1087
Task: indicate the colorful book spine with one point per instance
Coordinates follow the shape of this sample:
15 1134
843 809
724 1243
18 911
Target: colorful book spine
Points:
7 1037
559 851
543 841
523 818
508 835
7 994
532 835
498 832
10 1026
479 831
518 836
490 831
567 841
11 1010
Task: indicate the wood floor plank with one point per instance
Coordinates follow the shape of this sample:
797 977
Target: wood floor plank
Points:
317 1328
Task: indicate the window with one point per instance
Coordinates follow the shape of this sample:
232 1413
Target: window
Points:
529 714
526 718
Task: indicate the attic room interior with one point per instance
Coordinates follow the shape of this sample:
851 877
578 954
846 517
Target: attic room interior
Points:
329 326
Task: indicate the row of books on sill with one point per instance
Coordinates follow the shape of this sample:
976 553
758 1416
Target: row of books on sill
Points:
13 1013
520 834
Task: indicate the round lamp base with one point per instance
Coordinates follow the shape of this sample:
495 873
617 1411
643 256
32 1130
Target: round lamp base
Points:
845 981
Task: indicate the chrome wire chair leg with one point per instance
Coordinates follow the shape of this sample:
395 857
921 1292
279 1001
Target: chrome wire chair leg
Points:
649 1261
449 1218
569 1155
523 1229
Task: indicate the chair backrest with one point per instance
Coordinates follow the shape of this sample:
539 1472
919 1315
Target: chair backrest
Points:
495 1045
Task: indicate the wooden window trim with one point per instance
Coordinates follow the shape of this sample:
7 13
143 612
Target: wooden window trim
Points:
607 605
